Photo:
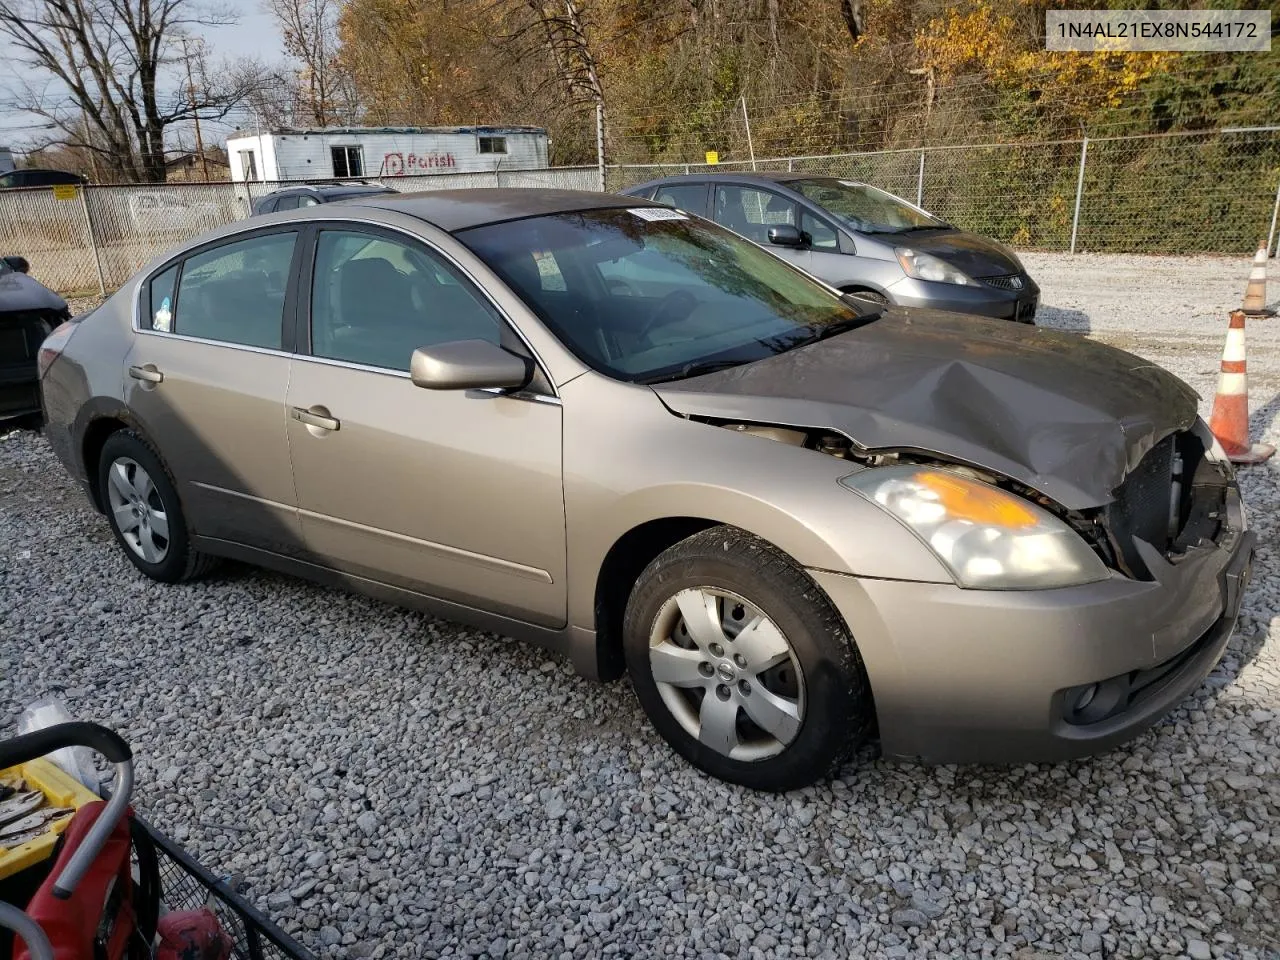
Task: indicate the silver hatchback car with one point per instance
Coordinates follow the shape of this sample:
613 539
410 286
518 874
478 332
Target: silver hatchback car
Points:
860 239
634 437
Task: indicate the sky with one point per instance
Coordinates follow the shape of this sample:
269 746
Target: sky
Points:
256 35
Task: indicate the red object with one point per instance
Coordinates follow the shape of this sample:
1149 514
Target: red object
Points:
104 896
192 935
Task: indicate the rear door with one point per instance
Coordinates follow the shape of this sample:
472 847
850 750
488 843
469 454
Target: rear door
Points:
453 494
206 379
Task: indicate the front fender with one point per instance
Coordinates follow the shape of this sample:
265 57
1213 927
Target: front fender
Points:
662 466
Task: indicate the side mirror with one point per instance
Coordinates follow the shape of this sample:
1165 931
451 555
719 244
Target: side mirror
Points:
785 235
469 365
18 263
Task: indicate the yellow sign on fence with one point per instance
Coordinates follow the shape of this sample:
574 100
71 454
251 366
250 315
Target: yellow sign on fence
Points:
65 191
713 156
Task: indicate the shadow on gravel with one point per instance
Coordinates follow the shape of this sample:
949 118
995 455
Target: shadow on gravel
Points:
1261 420
1063 318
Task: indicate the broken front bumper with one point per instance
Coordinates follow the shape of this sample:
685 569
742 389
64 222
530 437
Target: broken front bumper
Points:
999 676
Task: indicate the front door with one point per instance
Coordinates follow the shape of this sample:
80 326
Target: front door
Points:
455 494
206 378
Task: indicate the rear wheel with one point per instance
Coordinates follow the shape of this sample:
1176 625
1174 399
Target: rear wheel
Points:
143 509
743 665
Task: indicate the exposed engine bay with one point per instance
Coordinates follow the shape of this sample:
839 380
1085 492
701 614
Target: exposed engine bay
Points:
1173 501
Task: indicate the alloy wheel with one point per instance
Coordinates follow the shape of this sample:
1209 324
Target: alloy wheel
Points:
727 673
137 510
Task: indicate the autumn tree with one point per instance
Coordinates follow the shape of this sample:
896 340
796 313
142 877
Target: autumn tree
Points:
321 90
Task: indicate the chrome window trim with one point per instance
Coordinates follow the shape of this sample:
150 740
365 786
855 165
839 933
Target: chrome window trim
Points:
319 222
230 345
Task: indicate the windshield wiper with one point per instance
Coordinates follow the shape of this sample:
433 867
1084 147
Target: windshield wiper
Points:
926 226
695 369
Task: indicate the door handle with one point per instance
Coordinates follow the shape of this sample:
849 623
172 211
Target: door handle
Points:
147 373
312 419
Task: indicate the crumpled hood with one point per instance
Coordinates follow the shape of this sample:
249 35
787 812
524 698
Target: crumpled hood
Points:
975 255
21 292
1062 414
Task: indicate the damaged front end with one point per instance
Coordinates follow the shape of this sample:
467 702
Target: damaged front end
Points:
1173 501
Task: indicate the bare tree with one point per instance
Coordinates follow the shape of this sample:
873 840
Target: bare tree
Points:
95 73
309 29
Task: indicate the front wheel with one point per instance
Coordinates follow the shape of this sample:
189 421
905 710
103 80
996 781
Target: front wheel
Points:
743 665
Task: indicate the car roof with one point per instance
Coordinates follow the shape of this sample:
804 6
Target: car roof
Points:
326 189
454 210
763 177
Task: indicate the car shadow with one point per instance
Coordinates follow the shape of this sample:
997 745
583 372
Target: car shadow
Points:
1063 318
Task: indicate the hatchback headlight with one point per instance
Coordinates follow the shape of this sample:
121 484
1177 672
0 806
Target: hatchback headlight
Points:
986 537
925 266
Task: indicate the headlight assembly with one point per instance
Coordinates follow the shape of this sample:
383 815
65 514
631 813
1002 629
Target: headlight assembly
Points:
925 266
988 538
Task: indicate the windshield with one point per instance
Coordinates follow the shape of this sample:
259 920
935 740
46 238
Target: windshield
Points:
648 294
865 208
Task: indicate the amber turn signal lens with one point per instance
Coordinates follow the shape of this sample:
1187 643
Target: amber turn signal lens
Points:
970 500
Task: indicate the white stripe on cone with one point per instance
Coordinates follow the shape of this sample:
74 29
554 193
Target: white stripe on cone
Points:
1234 349
1233 384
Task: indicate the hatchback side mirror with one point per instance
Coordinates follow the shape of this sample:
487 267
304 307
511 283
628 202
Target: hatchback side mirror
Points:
18 263
469 365
786 235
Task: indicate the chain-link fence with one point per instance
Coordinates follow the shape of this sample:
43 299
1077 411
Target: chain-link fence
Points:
88 240
1215 192
1209 192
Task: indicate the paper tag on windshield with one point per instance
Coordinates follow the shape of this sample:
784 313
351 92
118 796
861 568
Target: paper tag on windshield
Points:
656 213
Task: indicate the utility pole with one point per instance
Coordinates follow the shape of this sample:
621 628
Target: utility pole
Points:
93 157
191 88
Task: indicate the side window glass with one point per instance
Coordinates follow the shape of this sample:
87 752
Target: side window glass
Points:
684 196
161 292
287 203
752 212
305 201
235 292
821 236
374 301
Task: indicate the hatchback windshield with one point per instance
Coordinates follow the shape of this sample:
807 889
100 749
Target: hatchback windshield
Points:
865 208
648 294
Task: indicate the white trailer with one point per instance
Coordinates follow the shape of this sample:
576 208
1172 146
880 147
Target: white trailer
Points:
352 153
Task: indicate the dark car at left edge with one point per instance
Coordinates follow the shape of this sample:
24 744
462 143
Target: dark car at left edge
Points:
29 311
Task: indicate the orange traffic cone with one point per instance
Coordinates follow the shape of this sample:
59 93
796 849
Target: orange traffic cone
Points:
1230 418
1255 294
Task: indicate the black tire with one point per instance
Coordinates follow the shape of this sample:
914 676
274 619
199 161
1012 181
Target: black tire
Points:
180 561
873 296
838 714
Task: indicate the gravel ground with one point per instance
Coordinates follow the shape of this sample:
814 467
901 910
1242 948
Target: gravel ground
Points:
393 785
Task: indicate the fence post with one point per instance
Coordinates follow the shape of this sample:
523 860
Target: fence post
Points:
1271 234
747 121
920 183
790 161
600 142
686 169
1075 217
93 240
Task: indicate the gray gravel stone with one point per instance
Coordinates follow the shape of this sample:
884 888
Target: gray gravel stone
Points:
335 735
